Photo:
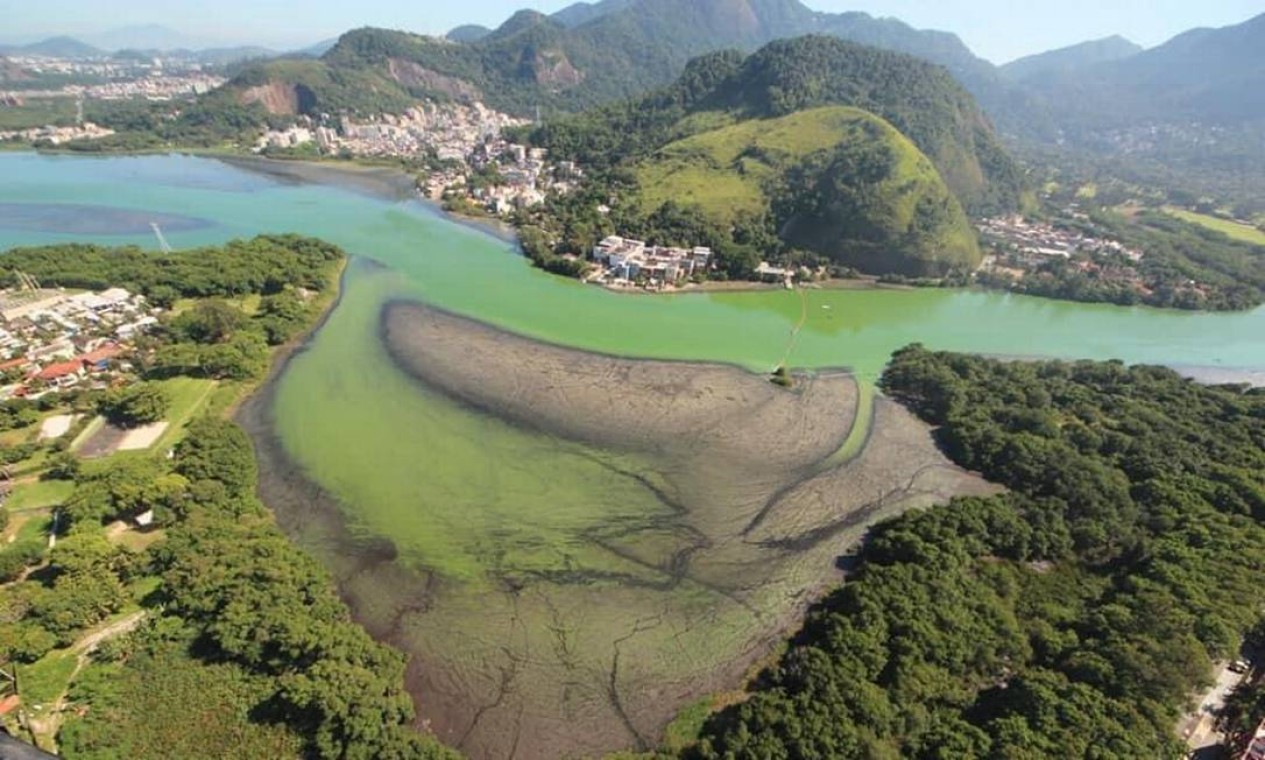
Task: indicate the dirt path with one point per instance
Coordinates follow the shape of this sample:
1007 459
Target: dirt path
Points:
46 728
88 644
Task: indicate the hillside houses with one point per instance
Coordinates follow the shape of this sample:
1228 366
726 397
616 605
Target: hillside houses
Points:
450 131
628 260
52 340
1037 240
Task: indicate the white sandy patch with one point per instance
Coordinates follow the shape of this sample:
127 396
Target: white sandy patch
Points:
141 437
56 426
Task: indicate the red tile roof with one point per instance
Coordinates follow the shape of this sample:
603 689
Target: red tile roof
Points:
61 369
101 354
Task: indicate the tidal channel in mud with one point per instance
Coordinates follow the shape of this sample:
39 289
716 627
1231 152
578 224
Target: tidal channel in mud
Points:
585 628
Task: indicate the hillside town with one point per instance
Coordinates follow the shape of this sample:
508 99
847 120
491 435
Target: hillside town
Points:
1017 248
472 167
155 79
1020 238
448 131
51 340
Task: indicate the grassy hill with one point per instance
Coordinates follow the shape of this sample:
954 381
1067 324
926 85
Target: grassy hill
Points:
788 76
725 171
900 217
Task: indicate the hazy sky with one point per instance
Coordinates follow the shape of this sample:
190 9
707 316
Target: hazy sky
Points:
992 28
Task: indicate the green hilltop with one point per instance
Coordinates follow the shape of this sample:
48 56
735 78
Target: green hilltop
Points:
859 155
845 183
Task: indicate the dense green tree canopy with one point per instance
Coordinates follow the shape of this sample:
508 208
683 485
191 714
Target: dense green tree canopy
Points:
265 264
1070 617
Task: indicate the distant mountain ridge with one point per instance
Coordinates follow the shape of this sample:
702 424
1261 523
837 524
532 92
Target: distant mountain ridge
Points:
1070 58
56 47
582 12
1105 95
151 37
593 53
1215 75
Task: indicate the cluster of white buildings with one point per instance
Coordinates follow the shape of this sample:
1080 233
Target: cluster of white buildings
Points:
157 88
525 178
58 135
468 138
1037 239
153 79
626 261
449 130
50 339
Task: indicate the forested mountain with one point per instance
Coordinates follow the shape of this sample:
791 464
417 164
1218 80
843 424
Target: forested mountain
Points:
863 156
1210 76
921 101
588 54
1187 114
582 13
1066 59
467 33
1183 114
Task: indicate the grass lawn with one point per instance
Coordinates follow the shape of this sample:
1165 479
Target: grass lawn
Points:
35 464
1233 229
19 436
137 542
18 526
38 112
683 732
188 397
248 304
35 527
40 494
46 679
723 170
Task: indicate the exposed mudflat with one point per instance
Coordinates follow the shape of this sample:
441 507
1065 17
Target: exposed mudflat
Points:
592 641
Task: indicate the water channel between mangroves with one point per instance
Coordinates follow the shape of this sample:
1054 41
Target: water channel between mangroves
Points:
561 594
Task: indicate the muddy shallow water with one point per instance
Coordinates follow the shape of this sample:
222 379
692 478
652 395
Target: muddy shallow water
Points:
585 630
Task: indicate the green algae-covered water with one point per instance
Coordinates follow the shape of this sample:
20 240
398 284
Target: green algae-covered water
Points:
462 496
474 274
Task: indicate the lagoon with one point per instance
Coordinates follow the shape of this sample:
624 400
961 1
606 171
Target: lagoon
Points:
461 513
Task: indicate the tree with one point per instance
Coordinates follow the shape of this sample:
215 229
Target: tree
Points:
210 321
136 405
63 466
163 296
281 316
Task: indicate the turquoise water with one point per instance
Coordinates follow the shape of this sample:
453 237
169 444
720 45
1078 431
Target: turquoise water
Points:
464 270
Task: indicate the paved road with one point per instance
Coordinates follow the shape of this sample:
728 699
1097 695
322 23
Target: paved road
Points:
1198 728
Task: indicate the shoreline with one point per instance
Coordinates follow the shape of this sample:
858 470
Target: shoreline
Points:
395 183
377 180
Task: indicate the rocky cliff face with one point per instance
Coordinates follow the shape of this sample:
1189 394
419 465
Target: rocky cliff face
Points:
553 70
415 77
279 98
